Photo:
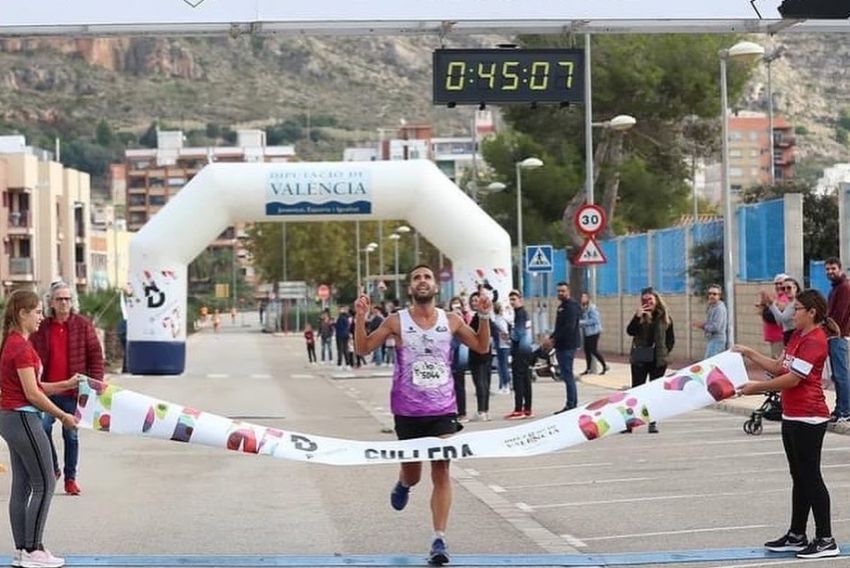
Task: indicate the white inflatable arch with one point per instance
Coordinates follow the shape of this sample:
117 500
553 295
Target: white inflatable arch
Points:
224 194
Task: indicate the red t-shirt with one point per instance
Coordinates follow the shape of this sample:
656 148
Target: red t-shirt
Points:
18 353
58 366
805 356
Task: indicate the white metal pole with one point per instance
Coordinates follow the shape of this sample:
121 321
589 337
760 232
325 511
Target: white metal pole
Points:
770 124
588 147
397 292
357 252
728 219
519 226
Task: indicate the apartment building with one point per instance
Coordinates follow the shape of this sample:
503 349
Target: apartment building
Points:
44 219
750 161
155 175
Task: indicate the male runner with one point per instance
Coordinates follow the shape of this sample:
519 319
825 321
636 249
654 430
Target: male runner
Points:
423 397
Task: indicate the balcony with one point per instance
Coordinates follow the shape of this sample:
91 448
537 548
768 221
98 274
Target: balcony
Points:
784 141
80 270
20 222
20 266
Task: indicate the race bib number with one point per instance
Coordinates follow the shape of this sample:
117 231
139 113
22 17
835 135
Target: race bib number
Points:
430 373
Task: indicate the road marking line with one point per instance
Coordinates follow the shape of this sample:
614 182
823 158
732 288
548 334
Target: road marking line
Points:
302 376
572 483
664 533
473 472
260 376
525 507
761 491
573 541
496 489
218 376
537 468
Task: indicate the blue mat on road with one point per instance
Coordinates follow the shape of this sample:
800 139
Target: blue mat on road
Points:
387 560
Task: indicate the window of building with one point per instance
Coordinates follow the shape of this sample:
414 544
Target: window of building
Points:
137 218
736 172
736 135
754 172
176 181
754 135
754 152
734 153
157 200
136 199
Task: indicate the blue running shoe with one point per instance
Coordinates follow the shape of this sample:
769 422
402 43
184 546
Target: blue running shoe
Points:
399 496
439 553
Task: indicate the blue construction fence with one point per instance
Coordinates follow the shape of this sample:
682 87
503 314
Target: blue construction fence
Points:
661 258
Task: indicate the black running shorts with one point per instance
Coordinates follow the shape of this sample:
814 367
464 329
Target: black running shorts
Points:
408 427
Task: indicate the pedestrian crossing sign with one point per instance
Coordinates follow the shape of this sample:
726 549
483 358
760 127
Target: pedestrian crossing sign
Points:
538 258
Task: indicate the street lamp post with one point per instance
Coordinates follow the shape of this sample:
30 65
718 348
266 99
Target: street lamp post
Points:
371 247
400 231
395 238
770 58
745 50
526 164
619 123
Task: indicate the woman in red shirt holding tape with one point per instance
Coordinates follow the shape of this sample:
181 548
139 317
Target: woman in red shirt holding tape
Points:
22 399
797 374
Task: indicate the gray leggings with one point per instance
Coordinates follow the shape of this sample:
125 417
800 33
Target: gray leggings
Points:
32 476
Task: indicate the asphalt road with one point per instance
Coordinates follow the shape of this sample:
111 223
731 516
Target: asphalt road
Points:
701 483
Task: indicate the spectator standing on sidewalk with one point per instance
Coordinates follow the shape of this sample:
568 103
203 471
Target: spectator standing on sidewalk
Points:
502 343
326 333
591 329
67 345
771 329
715 322
838 309
342 330
653 339
521 353
783 308
310 340
479 363
566 339
797 375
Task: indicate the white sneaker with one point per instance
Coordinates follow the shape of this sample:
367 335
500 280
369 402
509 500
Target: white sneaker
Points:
483 417
40 559
16 557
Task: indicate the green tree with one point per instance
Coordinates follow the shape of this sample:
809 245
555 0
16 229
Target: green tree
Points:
103 134
660 80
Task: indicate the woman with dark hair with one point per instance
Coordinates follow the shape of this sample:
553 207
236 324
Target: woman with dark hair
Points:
797 375
653 339
22 398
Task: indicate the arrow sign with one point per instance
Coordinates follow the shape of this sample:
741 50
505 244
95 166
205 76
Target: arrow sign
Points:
590 253
538 258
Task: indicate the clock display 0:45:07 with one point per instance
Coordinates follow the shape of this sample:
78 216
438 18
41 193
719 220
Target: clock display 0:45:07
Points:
480 76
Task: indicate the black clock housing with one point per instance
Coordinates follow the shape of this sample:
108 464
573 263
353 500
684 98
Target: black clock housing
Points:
508 76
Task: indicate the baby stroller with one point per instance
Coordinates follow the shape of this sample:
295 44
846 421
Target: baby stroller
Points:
770 409
545 364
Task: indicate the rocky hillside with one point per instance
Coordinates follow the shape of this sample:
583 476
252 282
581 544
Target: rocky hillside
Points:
363 83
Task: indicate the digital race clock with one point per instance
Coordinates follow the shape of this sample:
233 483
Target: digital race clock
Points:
508 76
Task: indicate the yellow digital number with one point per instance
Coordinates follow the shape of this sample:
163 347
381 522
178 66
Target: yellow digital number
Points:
569 67
455 75
539 78
489 75
508 74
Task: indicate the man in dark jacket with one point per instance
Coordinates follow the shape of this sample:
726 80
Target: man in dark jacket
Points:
839 310
566 339
67 345
521 354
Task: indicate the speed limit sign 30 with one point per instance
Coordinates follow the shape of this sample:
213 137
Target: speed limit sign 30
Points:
590 219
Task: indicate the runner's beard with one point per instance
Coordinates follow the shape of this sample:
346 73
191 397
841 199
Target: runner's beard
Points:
424 297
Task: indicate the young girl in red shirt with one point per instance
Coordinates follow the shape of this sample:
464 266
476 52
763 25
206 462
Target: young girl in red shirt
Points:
22 399
797 375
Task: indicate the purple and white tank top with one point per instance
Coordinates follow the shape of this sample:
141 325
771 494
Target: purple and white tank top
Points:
422 379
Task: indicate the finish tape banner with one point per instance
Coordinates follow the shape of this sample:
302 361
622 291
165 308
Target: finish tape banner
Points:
109 408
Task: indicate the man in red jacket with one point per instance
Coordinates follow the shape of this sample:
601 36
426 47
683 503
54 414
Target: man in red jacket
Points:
67 344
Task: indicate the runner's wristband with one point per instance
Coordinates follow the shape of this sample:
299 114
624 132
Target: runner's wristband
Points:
484 316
